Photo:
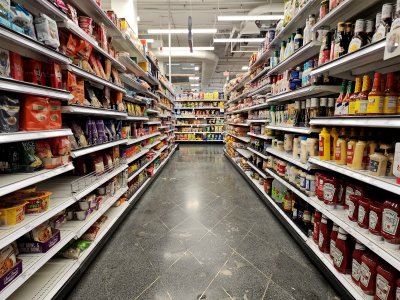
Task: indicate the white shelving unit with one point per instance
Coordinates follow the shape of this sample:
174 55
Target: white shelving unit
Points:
91 149
299 130
91 111
240 138
142 138
21 136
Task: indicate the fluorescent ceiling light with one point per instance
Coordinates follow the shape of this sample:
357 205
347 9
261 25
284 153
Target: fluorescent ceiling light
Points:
245 68
195 84
187 68
239 40
194 78
196 68
138 18
250 18
181 31
186 49
149 41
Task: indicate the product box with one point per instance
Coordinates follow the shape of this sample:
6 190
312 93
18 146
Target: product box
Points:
4 63
7 278
27 246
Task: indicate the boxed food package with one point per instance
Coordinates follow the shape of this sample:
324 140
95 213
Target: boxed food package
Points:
55 76
47 31
34 72
48 238
55 114
35 114
10 265
4 63
17 66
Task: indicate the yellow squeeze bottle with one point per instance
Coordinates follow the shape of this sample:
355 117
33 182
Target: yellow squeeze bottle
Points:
334 137
324 145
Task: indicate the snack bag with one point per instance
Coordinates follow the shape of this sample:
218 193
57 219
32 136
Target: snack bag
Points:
40 233
47 31
55 114
9 114
34 72
35 114
4 63
56 76
61 146
17 66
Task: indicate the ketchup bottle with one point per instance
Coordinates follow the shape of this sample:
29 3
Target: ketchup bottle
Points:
375 220
390 223
385 282
324 235
352 213
317 223
369 263
330 190
363 213
334 235
358 251
342 259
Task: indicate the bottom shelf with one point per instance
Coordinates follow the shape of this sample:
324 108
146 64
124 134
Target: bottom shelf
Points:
53 279
342 282
196 141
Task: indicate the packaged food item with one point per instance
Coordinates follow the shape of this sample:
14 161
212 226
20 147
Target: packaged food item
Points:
34 72
56 76
55 114
4 8
47 31
79 135
71 46
11 212
20 17
9 114
73 250
61 146
17 66
84 50
37 202
385 282
369 263
375 220
324 145
390 223
41 233
324 235
4 63
91 233
8 259
35 113
358 252
86 24
72 14
28 160
342 258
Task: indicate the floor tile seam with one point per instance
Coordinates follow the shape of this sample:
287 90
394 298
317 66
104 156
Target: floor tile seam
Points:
223 218
212 280
233 249
265 275
165 225
179 223
226 292
266 288
149 286
194 256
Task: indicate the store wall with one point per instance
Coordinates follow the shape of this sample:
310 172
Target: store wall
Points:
124 9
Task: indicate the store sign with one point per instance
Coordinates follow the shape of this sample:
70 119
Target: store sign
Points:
392 47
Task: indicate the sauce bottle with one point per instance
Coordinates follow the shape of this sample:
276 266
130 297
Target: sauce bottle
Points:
324 145
340 150
339 100
358 252
324 235
375 220
378 163
390 223
351 146
385 282
319 192
352 213
371 147
330 190
386 21
362 99
287 202
391 96
358 156
363 214
354 96
348 191
334 235
342 258
369 263
360 37
389 167
317 222
346 99
375 97
396 163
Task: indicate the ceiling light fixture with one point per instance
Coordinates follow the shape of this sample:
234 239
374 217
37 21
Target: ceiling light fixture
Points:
239 40
185 49
196 68
195 85
181 31
194 78
251 18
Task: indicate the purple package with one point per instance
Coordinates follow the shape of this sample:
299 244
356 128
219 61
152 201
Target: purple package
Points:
93 129
89 134
119 129
101 131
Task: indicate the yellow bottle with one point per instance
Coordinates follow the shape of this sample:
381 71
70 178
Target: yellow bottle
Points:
334 138
340 150
360 148
324 145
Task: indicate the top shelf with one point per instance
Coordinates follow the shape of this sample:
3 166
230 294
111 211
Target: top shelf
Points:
241 83
359 121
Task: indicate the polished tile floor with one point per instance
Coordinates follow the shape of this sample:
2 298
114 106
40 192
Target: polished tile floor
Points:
201 232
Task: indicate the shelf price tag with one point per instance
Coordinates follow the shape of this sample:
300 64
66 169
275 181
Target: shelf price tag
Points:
392 46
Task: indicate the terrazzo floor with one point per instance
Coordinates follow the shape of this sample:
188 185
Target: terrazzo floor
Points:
201 232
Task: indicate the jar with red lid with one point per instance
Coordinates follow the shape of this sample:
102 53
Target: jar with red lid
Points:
317 222
363 214
375 220
334 235
385 282
342 258
358 251
319 186
330 190
352 213
324 235
369 263
390 224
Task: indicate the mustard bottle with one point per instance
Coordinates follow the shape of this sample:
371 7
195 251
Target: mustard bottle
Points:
340 150
334 137
371 147
351 145
324 145
378 163
358 156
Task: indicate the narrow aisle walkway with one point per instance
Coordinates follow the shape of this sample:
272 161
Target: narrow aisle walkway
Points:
201 230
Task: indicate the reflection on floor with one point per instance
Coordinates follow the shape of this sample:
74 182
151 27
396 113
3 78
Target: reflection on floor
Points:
201 232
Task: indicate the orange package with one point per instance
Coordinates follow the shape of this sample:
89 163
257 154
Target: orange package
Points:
35 114
55 114
72 86
80 91
17 66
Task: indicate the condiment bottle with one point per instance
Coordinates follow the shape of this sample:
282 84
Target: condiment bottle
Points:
377 163
330 190
298 39
303 149
342 258
398 280
296 148
386 21
317 222
375 97
358 156
319 187
312 147
369 263
396 22
390 223
351 146
391 96
362 99
323 107
324 235
363 214
334 234
331 107
339 100
375 220
287 202
288 142
339 47
348 191
340 150
371 147
334 137
324 145
358 252
310 184
353 97
360 37
346 99
385 282
389 167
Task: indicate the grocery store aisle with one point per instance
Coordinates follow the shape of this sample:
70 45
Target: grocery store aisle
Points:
201 232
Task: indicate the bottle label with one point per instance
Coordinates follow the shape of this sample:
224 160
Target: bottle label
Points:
355 45
390 104
321 145
329 192
365 275
349 192
380 34
398 293
373 220
382 287
351 210
373 166
320 239
352 108
375 104
390 221
306 216
355 270
332 247
312 186
337 257
287 204
350 153
361 214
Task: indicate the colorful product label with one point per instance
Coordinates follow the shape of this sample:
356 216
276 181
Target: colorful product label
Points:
355 270
373 165
329 192
361 214
398 293
390 104
349 192
350 153
365 274
390 221
373 220
382 287
351 210
337 257
320 239
375 104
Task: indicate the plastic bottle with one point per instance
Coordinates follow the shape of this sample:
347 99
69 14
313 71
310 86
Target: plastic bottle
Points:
334 137
378 163
362 99
351 145
334 234
358 252
360 148
375 97
324 235
339 100
353 98
303 149
342 254
390 98
324 145
340 150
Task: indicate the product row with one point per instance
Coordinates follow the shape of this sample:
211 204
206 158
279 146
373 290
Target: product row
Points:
196 96
200 137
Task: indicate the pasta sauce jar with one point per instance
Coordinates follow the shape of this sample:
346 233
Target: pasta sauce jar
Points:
390 223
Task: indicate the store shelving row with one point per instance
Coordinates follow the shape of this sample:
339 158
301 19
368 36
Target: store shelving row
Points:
359 121
240 138
241 83
238 124
266 88
260 74
142 138
84 151
32 135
